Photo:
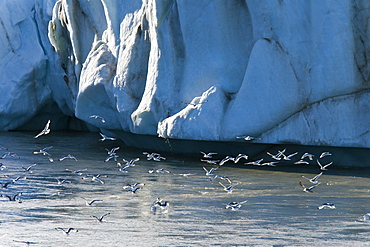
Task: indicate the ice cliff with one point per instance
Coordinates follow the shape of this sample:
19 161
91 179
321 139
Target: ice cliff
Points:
283 71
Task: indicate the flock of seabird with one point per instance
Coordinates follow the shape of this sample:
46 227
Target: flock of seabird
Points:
159 204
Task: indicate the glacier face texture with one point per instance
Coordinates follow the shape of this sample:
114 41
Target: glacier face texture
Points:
283 71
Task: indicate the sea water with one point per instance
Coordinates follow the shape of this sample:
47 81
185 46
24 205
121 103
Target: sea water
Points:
277 212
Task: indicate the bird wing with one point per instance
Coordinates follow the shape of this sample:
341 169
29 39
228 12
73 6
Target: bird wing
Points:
222 185
300 183
318 162
47 126
39 134
313 186
317 176
213 169
328 165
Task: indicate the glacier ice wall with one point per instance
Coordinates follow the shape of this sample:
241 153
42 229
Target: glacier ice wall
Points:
284 71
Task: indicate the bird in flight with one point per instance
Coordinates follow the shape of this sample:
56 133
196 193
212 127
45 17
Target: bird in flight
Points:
66 232
306 189
100 219
45 131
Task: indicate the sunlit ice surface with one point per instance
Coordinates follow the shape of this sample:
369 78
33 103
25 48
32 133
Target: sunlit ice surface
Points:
277 212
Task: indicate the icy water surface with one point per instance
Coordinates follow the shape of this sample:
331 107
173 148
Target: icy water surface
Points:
277 211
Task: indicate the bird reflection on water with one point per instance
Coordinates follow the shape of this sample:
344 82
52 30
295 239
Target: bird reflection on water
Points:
276 204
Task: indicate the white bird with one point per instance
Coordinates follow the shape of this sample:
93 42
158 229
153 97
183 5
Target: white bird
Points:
131 162
235 205
207 155
314 179
288 157
66 231
271 163
43 151
210 172
112 151
229 188
255 163
112 154
133 187
212 162
122 169
162 170
323 154
301 162
221 177
14 198
150 156
90 203
61 182
308 155
326 205
95 178
306 189
68 156
240 156
323 167
248 138
104 137
278 155
45 131
28 169
11 154
186 174
15 179
98 117
78 172
154 156
100 219
226 159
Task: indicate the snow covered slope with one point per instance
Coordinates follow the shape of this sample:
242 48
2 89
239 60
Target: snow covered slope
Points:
283 71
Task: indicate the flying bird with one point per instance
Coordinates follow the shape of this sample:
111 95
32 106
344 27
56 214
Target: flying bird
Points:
210 172
207 155
68 156
45 131
212 162
323 154
66 232
306 189
314 179
308 155
28 169
323 167
90 203
226 159
100 219
240 156
229 188
104 137
98 117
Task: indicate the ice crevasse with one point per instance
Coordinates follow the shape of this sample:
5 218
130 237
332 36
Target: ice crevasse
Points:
282 71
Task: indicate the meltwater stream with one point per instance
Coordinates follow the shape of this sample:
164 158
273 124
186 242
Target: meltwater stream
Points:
277 212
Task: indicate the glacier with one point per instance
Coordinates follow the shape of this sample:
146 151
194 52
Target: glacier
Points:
283 71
